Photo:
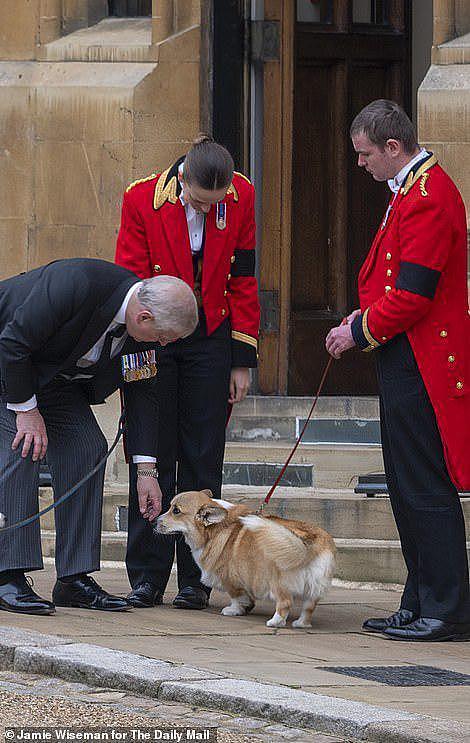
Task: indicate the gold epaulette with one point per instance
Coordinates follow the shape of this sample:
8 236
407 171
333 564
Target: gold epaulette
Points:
140 180
413 177
236 172
165 191
231 189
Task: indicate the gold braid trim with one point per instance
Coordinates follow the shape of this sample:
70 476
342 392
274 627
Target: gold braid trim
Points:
236 172
422 184
232 189
412 179
165 193
244 338
140 180
365 329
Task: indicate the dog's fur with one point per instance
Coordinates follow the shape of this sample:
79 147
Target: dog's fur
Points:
253 557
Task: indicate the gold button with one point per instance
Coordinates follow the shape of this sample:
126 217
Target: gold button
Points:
451 359
222 312
443 333
459 385
388 256
232 259
229 276
384 337
389 271
387 288
225 293
157 268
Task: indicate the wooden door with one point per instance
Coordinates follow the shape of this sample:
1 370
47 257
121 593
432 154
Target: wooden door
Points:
346 55
130 8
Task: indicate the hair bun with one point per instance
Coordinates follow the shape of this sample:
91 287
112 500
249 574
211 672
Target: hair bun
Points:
201 138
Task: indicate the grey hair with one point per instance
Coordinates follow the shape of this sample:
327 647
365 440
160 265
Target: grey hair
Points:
382 120
172 303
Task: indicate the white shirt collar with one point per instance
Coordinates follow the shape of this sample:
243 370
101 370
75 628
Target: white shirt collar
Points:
120 316
396 183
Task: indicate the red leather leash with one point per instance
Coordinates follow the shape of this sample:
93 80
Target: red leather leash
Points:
279 477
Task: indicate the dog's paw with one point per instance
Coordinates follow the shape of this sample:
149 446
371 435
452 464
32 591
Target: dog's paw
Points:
233 611
276 621
300 624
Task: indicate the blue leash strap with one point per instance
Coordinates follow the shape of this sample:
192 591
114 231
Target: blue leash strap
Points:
73 489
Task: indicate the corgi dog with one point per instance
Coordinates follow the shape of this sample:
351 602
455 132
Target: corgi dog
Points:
253 557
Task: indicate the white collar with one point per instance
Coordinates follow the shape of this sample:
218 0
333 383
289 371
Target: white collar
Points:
396 183
120 316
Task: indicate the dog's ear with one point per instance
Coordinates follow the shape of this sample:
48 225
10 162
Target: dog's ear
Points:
207 492
211 514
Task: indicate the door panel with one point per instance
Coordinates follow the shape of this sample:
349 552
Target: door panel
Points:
130 8
339 67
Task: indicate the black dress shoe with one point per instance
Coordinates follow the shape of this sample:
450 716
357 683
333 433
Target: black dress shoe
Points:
85 593
191 597
17 595
400 618
426 629
144 596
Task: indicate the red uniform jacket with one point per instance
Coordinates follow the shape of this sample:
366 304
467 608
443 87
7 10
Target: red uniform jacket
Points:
414 280
154 240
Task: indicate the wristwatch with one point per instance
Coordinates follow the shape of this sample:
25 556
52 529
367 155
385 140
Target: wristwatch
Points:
151 472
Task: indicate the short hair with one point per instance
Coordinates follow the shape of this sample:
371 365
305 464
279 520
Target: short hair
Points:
172 304
208 164
382 120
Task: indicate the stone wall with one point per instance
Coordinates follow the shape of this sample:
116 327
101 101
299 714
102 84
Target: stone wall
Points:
73 134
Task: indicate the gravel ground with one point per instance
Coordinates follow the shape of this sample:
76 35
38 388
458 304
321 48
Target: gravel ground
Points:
36 701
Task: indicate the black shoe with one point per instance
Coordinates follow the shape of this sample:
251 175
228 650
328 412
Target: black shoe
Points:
426 629
85 593
400 618
191 597
17 595
144 596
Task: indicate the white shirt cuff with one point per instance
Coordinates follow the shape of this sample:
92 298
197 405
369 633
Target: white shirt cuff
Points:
23 407
140 458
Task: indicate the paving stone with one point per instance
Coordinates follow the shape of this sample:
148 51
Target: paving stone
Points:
94 664
11 638
297 708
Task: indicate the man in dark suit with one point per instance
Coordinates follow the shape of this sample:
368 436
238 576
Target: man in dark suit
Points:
71 333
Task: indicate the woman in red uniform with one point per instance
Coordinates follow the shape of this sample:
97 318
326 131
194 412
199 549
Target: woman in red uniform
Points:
196 221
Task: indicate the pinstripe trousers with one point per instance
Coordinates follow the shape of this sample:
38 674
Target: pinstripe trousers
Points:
76 444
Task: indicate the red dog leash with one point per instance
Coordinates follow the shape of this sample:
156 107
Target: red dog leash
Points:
279 477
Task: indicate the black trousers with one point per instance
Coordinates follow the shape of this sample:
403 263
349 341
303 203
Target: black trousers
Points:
424 500
76 444
192 388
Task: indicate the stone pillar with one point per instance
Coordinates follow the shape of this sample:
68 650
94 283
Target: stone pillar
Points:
444 21
162 19
187 13
462 17
50 20
82 13
19 37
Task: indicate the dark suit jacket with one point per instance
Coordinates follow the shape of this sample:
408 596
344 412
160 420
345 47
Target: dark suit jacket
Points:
53 315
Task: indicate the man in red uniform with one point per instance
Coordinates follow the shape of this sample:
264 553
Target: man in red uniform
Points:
414 316
194 221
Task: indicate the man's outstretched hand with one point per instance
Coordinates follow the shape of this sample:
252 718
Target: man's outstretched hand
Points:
31 429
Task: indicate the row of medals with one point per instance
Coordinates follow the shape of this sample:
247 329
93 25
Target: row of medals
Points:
137 366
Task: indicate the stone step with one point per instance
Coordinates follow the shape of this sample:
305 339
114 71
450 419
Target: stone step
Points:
334 465
341 512
336 420
279 406
318 430
362 560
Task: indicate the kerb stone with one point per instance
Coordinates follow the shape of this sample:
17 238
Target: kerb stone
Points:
94 664
289 706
